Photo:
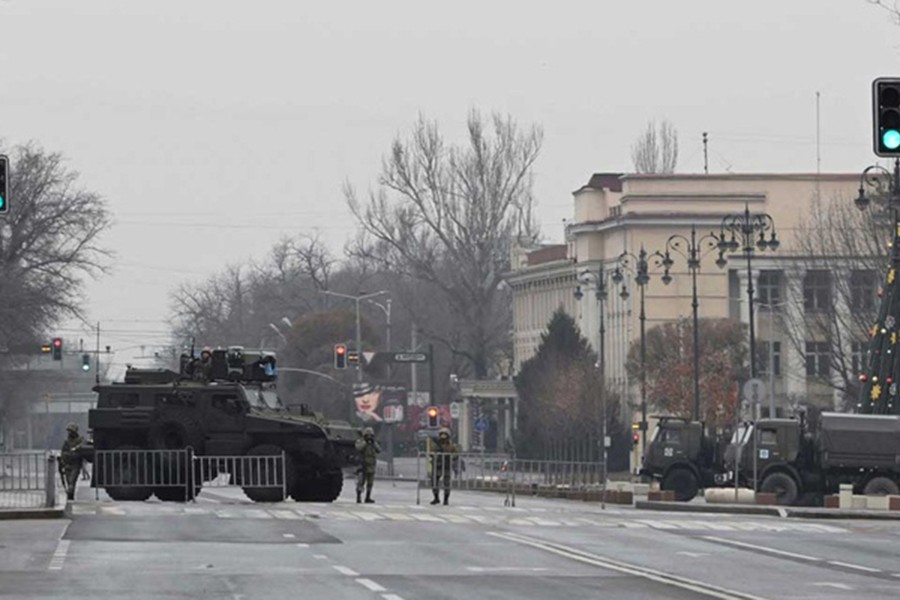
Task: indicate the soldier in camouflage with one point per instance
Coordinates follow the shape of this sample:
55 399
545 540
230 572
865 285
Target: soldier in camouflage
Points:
443 463
70 460
368 449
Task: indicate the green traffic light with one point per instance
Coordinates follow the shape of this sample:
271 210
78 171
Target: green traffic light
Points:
85 367
2 202
891 139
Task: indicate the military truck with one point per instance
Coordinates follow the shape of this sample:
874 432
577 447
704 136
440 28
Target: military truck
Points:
684 457
226 407
791 462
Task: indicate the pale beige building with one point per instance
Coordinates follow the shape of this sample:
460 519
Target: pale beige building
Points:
617 213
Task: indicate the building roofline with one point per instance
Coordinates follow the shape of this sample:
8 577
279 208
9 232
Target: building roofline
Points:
743 176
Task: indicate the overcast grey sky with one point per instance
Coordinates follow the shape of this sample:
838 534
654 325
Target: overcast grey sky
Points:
214 127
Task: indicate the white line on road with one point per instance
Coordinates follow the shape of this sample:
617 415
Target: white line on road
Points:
345 571
59 556
840 586
288 535
302 545
707 589
391 597
368 583
761 548
838 563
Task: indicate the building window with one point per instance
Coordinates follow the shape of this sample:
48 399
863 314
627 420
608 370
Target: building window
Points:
817 359
817 291
763 352
863 289
768 287
859 352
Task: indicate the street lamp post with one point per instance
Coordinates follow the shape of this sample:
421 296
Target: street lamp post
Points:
692 250
356 299
742 230
601 292
641 269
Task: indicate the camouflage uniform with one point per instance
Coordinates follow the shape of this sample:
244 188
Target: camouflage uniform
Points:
368 449
70 461
203 365
443 463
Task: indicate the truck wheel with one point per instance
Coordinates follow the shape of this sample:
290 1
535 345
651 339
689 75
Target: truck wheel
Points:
783 486
681 481
261 472
330 486
125 469
881 486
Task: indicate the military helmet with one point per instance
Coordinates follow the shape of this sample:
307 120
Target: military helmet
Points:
206 350
444 431
368 432
72 427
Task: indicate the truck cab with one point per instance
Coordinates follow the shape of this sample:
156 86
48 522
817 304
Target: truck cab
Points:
682 456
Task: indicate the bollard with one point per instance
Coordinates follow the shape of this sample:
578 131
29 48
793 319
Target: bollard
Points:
50 483
845 496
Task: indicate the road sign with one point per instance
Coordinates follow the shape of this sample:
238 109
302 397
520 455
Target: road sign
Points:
368 356
754 391
481 424
454 410
409 357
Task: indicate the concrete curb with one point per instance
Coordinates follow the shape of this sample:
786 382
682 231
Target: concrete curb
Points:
780 511
57 512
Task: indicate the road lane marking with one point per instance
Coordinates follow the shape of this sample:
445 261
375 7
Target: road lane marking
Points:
288 535
371 585
707 589
761 548
345 571
285 514
320 557
59 556
302 545
391 597
840 586
838 563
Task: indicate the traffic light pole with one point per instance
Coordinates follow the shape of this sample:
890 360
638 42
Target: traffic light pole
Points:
356 299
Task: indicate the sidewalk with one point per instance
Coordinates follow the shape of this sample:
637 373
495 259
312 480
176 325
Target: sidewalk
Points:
29 505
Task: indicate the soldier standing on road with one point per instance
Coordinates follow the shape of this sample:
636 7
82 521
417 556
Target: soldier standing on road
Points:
443 462
369 450
70 459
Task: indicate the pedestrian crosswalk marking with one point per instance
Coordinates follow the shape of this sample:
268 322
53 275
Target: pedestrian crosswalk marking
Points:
469 515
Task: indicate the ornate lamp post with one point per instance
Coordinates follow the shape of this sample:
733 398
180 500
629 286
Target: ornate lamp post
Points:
601 292
692 250
641 269
746 232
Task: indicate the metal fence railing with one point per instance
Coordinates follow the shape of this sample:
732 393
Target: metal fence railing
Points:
506 474
180 474
28 480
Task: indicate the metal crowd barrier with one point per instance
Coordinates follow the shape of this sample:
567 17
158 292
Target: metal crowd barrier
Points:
28 479
182 468
504 473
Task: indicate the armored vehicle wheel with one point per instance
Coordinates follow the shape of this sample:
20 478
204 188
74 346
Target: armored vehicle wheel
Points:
177 430
326 488
125 469
683 482
783 486
881 486
260 472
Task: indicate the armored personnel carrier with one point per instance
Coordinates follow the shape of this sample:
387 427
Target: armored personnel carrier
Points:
225 406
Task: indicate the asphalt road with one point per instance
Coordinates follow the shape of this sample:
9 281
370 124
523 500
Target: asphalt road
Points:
223 546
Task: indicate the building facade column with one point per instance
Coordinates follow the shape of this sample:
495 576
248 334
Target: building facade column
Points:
794 367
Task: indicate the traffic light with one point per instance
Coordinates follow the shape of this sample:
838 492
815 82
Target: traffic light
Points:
57 348
340 356
432 417
46 348
4 185
635 434
85 362
886 116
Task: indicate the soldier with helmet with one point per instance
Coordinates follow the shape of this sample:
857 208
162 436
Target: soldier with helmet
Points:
443 463
203 366
70 459
368 449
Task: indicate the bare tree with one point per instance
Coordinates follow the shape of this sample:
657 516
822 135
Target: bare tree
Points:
893 9
48 242
445 216
848 250
656 150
